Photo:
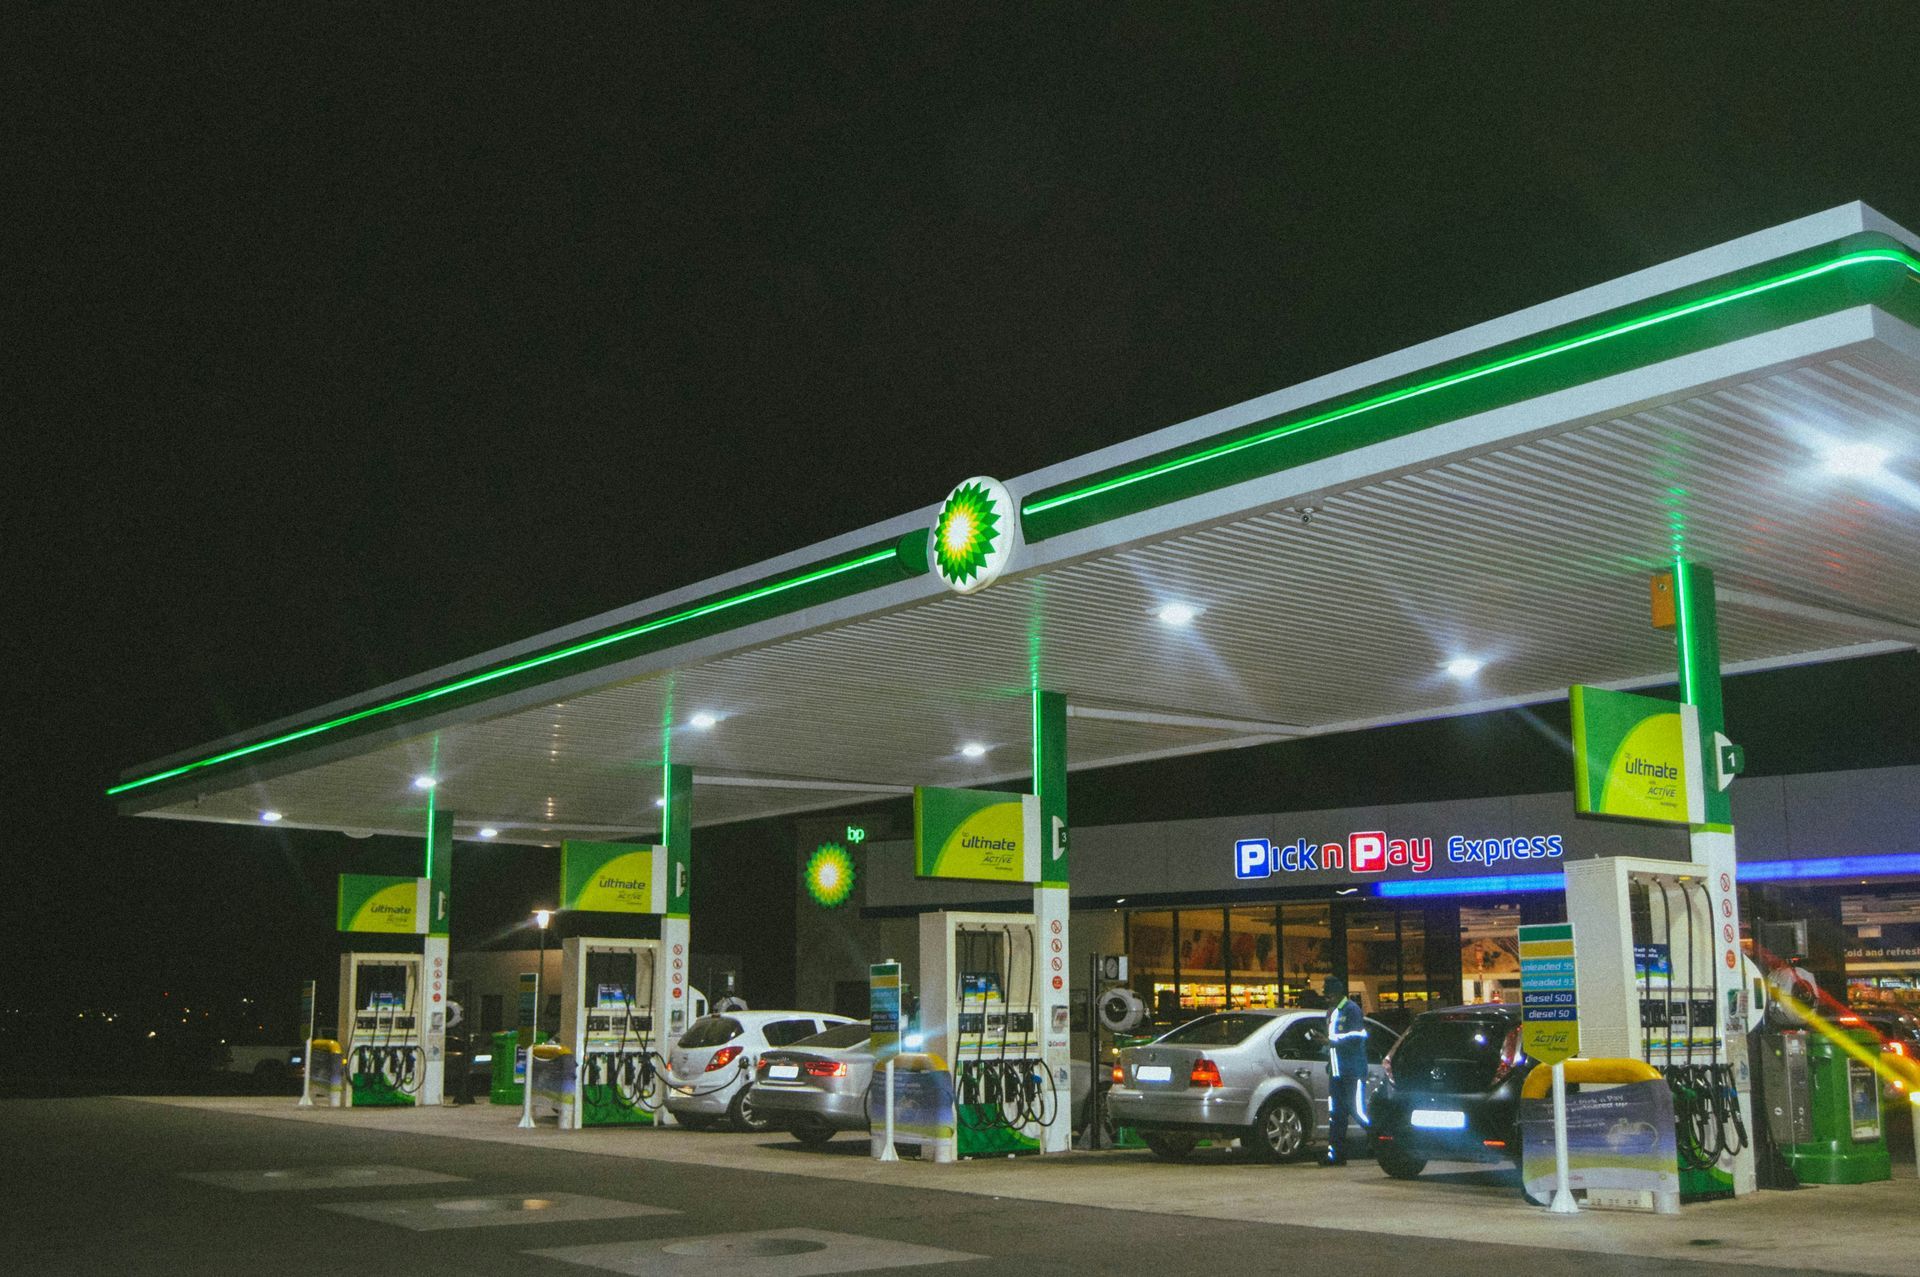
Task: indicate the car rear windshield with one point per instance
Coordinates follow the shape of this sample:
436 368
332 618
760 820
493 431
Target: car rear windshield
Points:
839 1035
711 1031
1451 1053
1217 1030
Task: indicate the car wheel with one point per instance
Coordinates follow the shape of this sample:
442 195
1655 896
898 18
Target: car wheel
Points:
1399 1164
741 1113
694 1121
813 1134
1279 1133
1172 1146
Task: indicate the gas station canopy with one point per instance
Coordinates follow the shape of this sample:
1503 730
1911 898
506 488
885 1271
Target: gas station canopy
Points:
1464 525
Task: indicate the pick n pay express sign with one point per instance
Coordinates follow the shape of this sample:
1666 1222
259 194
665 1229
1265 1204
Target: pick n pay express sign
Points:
1370 852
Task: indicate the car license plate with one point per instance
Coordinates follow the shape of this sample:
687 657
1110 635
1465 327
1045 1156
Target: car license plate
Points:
1439 1119
1153 1073
783 1072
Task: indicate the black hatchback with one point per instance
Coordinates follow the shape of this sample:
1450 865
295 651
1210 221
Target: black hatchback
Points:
1453 1091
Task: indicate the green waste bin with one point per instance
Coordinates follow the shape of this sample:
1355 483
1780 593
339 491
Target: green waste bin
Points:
509 1068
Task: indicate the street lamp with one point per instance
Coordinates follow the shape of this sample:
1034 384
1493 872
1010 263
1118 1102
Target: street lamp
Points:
541 917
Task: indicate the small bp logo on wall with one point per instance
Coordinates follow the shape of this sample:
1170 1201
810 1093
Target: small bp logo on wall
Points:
830 875
974 535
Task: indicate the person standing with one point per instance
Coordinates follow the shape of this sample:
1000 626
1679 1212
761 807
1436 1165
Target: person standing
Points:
1346 1067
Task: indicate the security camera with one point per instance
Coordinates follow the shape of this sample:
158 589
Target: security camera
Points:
1307 513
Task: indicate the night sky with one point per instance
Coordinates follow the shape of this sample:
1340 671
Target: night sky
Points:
348 342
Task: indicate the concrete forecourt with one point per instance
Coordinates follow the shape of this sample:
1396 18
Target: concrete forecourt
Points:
162 1186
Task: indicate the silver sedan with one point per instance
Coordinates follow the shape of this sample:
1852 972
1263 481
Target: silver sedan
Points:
818 1086
1256 1076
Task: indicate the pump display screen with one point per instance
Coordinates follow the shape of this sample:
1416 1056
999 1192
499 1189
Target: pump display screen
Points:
984 985
610 976
383 987
610 995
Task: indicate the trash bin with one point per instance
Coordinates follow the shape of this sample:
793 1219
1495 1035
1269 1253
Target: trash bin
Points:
509 1067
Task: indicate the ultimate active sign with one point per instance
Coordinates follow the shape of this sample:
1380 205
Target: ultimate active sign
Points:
613 877
380 902
1374 852
976 835
1635 757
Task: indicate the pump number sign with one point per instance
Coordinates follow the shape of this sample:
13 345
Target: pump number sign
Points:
1549 1002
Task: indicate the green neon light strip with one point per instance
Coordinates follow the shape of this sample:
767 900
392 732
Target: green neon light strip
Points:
534 662
1683 629
1470 374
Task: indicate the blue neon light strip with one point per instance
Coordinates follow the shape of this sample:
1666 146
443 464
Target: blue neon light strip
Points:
1829 867
1750 871
1492 885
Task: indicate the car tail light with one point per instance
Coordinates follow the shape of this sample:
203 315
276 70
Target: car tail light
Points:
1119 1075
1511 1053
761 1067
724 1056
825 1068
1205 1073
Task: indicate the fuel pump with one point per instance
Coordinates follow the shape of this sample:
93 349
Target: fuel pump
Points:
381 1028
609 999
1659 980
980 1004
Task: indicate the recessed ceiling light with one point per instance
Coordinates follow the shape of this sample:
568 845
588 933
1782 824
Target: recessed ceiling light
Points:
271 817
489 832
424 782
1855 460
973 750
1177 614
659 802
1463 667
703 720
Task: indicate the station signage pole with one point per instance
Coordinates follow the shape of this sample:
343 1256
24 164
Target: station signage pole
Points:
529 1031
435 952
307 990
1683 600
883 1011
1550 1031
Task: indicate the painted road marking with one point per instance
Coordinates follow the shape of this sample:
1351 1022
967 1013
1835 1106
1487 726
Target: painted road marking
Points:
485 1211
309 1177
778 1252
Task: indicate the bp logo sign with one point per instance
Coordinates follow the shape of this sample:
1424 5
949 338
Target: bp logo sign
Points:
974 536
830 875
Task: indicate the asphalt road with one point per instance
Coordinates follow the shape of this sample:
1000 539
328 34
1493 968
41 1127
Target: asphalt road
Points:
99 1186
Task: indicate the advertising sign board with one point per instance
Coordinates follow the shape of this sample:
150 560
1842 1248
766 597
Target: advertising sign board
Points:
612 877
1636 757
1549 1002
977 835
883 1010
380 902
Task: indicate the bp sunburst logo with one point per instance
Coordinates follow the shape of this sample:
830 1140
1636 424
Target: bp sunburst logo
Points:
974 535
830 875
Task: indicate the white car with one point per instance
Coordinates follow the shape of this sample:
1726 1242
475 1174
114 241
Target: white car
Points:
710 1071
